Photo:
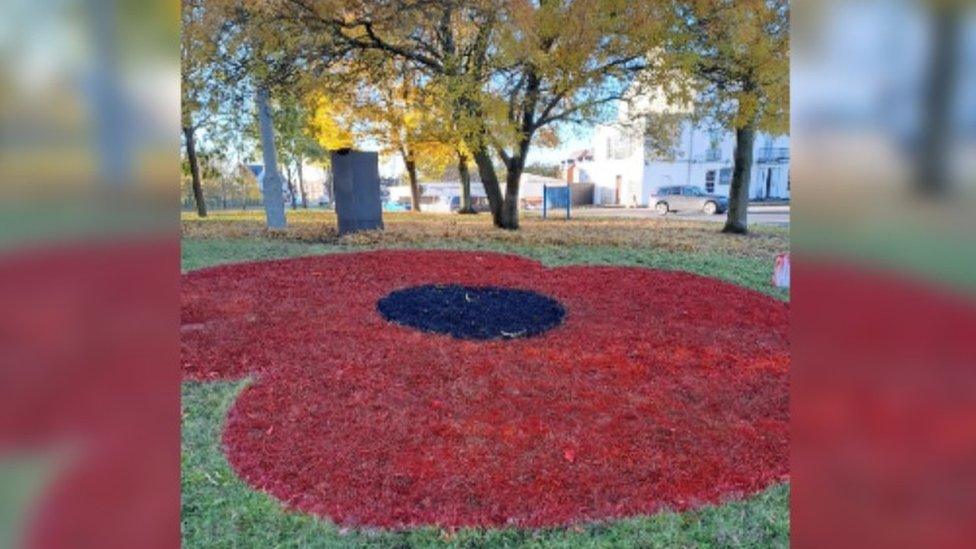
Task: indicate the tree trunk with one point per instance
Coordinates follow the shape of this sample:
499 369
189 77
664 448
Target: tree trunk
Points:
932 176
243 190
737 222
510 209
292 194
274 204
301 186
112 133
191 155
465 177
516 162
490 181
412 175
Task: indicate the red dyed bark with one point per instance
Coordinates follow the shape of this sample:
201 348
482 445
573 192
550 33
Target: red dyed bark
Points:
89 390
659 389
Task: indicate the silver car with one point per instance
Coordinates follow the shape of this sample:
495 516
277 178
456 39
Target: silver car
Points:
687 198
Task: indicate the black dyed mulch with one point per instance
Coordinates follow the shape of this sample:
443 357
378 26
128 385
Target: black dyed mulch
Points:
472 313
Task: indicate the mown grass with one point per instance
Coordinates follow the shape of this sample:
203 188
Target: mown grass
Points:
219 510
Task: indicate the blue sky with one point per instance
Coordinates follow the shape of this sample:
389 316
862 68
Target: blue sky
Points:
579 139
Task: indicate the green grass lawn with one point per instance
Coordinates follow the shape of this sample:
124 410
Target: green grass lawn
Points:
220 510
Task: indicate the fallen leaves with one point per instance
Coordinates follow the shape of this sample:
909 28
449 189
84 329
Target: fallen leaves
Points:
422 229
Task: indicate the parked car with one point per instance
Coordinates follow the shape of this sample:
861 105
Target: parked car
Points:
687 198
394 206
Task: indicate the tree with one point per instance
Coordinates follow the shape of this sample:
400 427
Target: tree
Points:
198 96
211 165
548 170
946 21
329 126
395 118
395 107
508 68
232 132
293 124
247 185
263 51
194 165
561 62
737 53
464 175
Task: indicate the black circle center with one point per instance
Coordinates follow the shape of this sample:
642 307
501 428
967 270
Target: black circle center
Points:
467 312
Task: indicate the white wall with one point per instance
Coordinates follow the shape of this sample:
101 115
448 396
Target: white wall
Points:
530 186
641 175
604 170
778 182
694 159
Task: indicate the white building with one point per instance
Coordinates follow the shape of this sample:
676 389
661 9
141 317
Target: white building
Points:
627 167
445 196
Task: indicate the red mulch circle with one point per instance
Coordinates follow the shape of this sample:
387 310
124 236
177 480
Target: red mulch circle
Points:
659 389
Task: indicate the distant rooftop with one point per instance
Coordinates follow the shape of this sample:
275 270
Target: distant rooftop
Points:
580 155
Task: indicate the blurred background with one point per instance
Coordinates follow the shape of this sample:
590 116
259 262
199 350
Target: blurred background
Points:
884 316
89 101
884 394
89 273
884 122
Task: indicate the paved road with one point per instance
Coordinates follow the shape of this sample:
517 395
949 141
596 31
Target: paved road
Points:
768 215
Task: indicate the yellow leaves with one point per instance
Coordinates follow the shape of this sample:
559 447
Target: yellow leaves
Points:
330 123
379 103
433 157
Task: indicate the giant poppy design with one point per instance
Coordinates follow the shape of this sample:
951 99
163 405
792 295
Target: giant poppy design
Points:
619 391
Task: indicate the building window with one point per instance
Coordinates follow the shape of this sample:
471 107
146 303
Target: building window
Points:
725 177
619 147
773 155
714 152
710 181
